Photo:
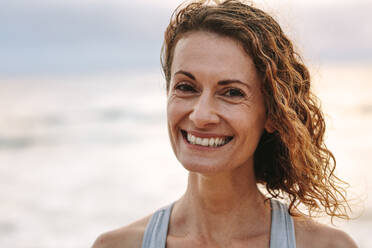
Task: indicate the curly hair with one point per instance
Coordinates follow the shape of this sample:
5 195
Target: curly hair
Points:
293 161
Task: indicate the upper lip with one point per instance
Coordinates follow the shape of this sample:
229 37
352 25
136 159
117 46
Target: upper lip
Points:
206 135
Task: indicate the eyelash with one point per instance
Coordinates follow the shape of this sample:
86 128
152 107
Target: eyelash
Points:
188 88
183 87
235 90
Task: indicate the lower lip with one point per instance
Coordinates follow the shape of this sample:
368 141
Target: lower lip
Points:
202 148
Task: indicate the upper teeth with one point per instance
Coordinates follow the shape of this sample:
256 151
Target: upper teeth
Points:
205 141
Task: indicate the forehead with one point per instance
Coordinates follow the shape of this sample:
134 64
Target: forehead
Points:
210 53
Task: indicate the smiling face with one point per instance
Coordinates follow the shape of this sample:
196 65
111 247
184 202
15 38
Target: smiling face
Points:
216 112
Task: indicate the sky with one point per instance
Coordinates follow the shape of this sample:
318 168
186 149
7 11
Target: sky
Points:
41 37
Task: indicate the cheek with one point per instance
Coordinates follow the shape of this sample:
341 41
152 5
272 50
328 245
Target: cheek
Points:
172 116
176 110
239 115
247 121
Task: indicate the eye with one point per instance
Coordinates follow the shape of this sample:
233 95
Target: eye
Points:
185 88
234 92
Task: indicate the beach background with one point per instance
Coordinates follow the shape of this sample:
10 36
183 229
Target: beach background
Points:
83 139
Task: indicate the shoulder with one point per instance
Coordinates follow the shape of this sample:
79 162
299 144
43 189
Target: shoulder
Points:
312 234
129 236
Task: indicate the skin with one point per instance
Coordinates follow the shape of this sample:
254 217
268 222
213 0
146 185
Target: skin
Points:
214 92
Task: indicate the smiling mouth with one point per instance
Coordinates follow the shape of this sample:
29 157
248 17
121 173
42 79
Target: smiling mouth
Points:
209 142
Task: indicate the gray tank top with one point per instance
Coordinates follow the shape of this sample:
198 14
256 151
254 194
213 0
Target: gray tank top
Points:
282 233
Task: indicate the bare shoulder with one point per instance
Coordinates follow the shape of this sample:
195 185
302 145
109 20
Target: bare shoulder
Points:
129 236
312 234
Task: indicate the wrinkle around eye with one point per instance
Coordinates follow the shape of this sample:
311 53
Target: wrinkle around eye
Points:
171 97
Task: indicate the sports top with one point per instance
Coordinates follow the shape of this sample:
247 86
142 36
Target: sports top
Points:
282 234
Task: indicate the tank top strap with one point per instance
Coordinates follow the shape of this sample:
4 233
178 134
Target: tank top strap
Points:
155 235
282 227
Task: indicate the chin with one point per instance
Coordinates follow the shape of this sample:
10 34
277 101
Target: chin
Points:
205 167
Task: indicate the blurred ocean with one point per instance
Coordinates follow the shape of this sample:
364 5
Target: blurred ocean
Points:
83 155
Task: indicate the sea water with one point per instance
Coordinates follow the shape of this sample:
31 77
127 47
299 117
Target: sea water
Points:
83 155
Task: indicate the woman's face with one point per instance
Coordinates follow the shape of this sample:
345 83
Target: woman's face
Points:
215 110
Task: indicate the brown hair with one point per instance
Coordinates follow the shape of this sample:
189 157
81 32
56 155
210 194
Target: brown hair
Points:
293 160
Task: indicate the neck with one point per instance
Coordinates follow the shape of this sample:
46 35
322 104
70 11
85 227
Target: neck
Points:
226 203
220 194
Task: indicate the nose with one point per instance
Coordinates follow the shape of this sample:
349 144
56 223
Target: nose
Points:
204 111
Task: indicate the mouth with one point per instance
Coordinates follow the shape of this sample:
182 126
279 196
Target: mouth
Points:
208 142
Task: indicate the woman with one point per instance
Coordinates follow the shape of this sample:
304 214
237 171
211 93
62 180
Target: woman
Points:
240 114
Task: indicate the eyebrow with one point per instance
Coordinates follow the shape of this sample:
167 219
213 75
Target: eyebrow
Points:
187 74
230 81
221 82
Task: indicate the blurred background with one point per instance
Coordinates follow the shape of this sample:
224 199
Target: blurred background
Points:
83 139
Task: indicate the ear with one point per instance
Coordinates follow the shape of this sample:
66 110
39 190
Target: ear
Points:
269 126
